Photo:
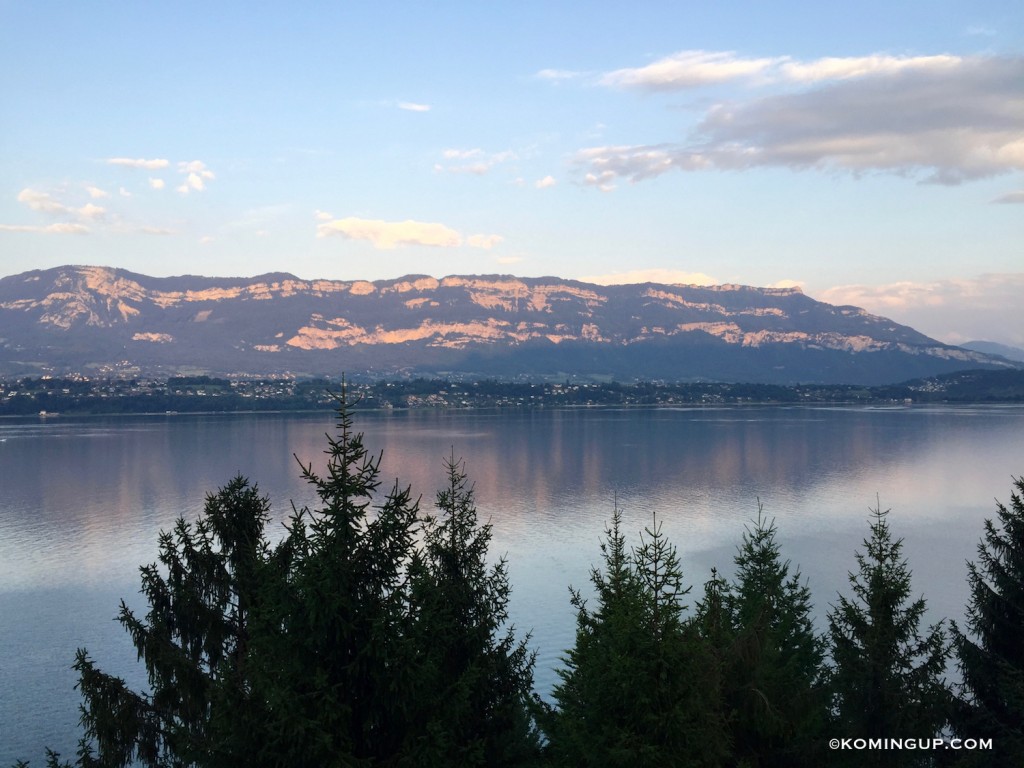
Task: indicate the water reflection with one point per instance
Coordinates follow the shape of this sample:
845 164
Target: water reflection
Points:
83 500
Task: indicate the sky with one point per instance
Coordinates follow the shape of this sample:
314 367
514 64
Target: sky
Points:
870 153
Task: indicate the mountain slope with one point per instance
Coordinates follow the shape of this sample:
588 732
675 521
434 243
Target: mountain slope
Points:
994 348
78 318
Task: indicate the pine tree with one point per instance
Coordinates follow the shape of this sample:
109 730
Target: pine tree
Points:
991 657
194 642
366 637
634 690
887 679
475 678
770 658
339 667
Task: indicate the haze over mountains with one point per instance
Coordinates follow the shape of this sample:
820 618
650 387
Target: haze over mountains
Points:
103 320
994 348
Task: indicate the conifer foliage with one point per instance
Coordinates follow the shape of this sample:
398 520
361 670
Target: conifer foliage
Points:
769 657
991 656
339 676
372 635
469 660
367 636
194 642
888 671
635 690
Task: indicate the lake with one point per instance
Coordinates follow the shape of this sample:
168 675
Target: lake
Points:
83 500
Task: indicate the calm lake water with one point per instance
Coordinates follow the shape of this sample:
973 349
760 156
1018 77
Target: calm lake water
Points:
83 501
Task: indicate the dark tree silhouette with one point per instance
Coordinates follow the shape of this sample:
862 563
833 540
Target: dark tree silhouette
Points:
887 679
991 652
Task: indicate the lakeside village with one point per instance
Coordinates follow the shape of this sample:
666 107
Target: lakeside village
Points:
83 395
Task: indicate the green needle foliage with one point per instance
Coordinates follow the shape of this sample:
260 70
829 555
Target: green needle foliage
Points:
769 657
887 680
366 637
340 672
635 690
195 644
475 679
991 657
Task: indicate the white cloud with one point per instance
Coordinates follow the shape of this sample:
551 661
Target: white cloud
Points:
483 241
322 215
196 175
603 180
788 284
656 275
844 68
96 193
557 75
157 231
68 228
688 69
1011 197
986 307
696 68
547 181
945 121
461 154
508 259
389 234
474 161
150 165
44 202
410 106
478 169
124 192
195 166
90 211
61 228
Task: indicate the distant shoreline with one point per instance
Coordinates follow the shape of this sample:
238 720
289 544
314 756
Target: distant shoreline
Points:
52 398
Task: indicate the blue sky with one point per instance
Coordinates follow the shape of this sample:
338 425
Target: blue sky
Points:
872 153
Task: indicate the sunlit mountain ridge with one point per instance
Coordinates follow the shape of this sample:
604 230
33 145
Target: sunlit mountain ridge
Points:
101 319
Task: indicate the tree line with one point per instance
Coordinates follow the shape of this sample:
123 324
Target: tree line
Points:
190 394
373 634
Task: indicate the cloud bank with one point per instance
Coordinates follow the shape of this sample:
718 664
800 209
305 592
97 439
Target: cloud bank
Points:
475 161
687 69
386 235
668 276
61 228
149 165
694 69
941 119
1011 197
985 308
50 206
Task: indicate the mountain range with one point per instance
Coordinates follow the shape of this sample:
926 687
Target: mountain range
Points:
993 348
111 321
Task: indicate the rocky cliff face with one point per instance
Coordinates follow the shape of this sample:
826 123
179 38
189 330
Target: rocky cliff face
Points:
73 318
